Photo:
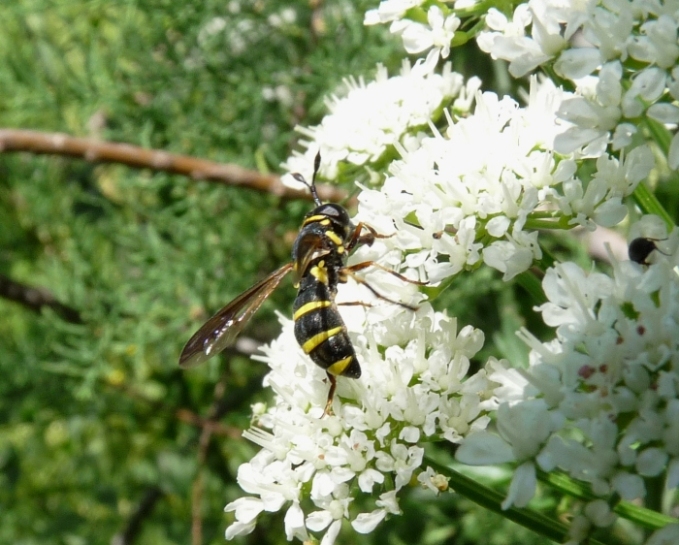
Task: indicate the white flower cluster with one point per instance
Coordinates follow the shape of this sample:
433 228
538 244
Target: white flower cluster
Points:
351 465
482 190
370 118
598 45
600 401
435 36
595 45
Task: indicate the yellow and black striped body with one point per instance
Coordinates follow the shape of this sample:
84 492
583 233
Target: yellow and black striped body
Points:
319 255
319 265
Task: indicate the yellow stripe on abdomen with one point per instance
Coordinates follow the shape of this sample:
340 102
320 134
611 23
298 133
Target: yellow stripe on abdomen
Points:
339 366
310 307
320 338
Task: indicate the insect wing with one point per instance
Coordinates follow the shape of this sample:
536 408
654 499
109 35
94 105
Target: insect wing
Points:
222 329
308 247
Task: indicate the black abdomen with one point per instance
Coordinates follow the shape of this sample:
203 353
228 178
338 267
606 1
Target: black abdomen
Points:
320 331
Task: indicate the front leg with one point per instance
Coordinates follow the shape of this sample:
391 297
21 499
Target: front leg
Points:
357 238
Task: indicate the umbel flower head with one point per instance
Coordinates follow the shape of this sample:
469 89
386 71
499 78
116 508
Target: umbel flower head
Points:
454 203
604 393
447 205
477 181
369 118
415 385
598 46
352 464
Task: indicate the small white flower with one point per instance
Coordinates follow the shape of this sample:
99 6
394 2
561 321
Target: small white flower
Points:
294 523
389 10
651 462
547 37
578 63
247 509
599 512
438 34
669 535
402 461
433 481
365 523
482 448
522 487
630 487
240 529
508 257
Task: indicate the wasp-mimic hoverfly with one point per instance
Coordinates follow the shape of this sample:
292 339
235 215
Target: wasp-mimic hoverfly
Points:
319 257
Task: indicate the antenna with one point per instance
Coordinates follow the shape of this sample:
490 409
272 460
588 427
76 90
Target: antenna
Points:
312 186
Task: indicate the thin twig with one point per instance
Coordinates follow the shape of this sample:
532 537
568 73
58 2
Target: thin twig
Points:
131 531
14 140
214 413
184 415
36 299
208 425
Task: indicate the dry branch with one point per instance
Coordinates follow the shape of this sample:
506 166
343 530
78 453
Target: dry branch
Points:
15 140
36 299
143 511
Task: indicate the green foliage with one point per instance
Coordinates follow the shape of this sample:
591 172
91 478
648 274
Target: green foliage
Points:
98 415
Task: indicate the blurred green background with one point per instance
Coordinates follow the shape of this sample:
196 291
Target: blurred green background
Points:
102 437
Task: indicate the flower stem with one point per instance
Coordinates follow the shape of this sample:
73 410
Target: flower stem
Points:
646 518
492 500
648 202
533 285
537 223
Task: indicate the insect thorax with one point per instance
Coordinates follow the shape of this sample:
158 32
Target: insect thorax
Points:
322 243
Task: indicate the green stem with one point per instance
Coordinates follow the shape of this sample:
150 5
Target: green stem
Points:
537 522
533 285
641 516
661 136
647 201
562 223
492 500
643 196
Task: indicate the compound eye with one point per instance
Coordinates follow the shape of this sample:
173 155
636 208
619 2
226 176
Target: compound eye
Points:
333 211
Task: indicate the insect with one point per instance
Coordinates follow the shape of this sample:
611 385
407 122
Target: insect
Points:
319 264
641 248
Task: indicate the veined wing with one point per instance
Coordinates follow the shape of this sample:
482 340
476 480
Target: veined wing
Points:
308 247
222 329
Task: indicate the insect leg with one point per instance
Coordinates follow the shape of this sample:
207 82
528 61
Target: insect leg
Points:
357 238
349 271
331 394
366 264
